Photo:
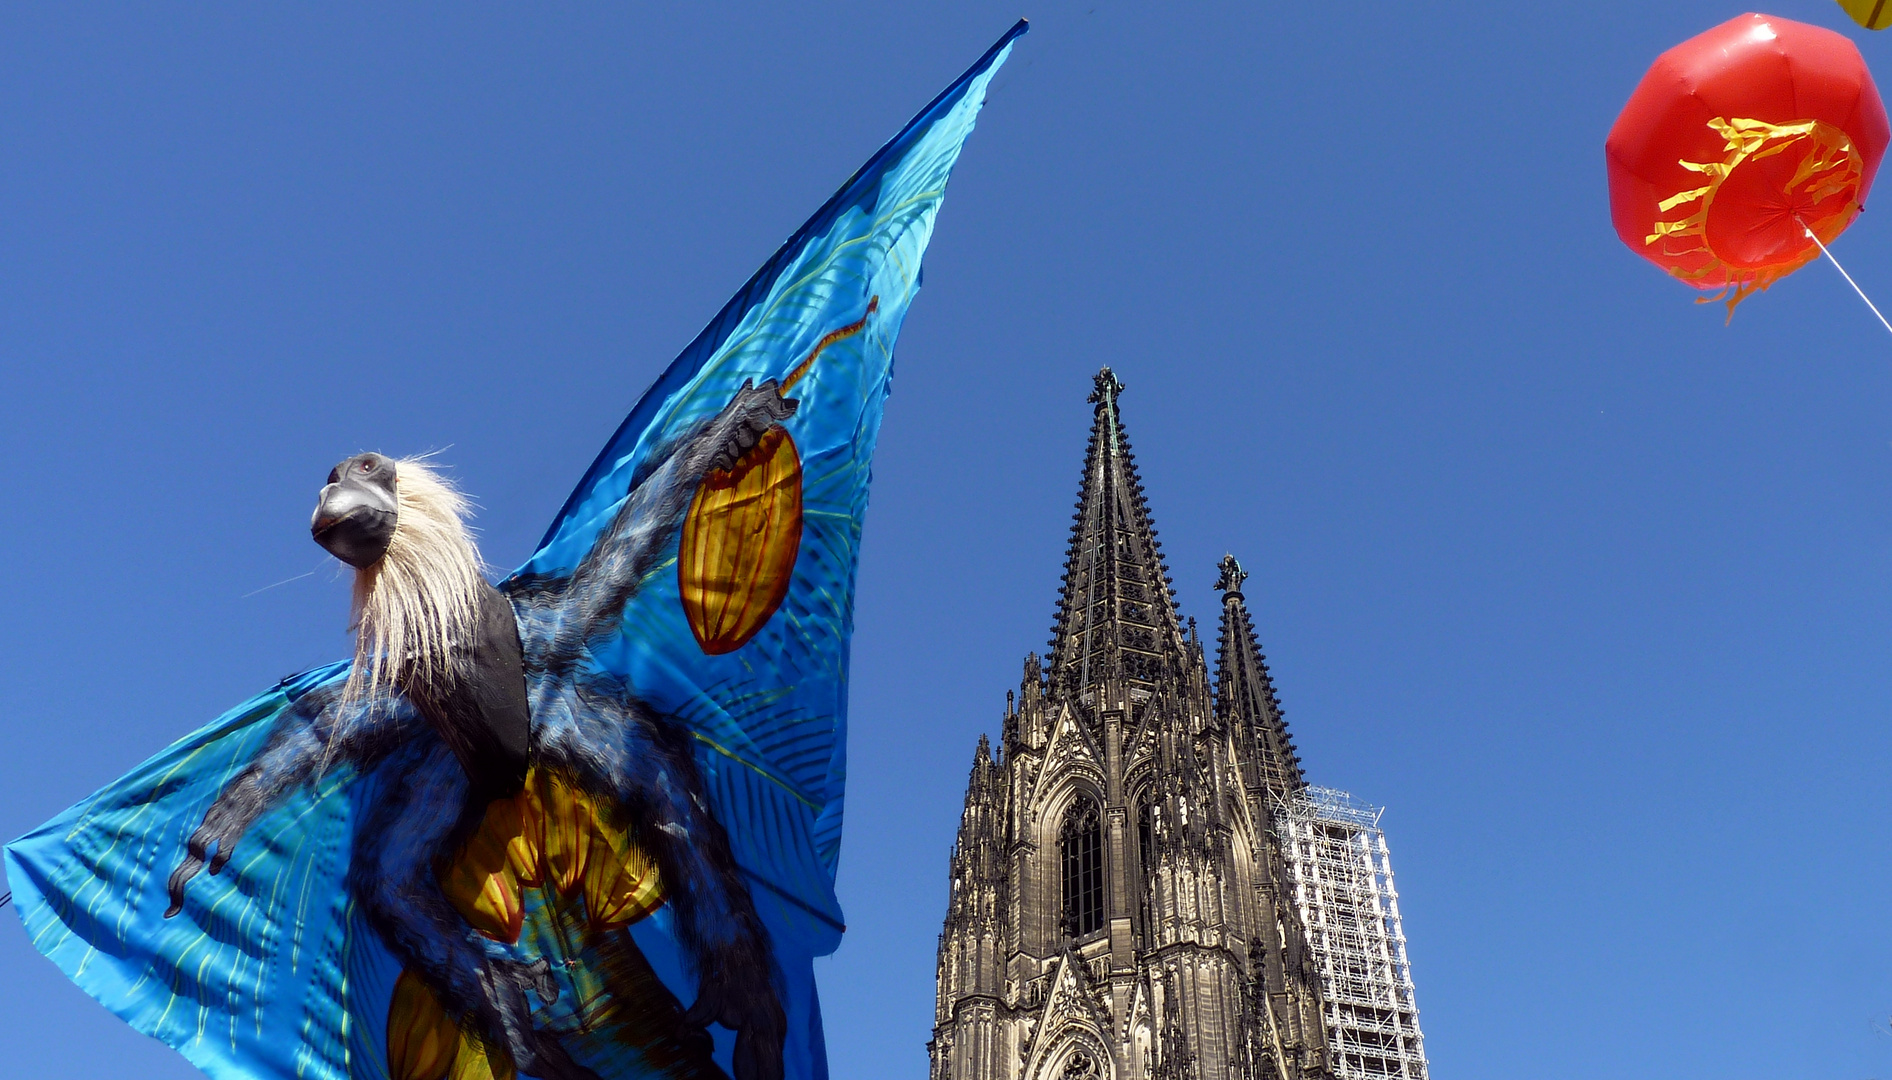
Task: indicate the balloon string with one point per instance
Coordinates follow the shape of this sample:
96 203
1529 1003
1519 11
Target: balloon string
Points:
1847 276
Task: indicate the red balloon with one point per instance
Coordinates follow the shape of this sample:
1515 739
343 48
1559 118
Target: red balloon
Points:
1738 140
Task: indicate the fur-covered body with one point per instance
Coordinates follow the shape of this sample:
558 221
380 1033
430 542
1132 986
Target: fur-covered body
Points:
481 711
451 732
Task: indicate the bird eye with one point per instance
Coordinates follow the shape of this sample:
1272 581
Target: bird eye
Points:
367 465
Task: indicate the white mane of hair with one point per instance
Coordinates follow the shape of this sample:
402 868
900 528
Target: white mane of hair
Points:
417 609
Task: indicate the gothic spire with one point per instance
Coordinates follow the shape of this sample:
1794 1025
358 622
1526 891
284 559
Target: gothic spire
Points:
976 860
1245 698
1116 617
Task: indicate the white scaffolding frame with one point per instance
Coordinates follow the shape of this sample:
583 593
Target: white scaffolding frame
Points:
1343 888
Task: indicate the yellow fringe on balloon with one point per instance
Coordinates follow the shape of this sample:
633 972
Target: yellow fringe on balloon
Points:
1832 167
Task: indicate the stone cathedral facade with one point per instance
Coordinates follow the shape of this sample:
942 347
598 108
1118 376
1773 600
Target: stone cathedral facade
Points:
1120 908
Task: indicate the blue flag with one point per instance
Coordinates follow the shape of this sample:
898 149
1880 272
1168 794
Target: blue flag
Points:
685 626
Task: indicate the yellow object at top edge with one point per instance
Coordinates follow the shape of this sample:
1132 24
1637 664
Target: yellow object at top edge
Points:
1871 14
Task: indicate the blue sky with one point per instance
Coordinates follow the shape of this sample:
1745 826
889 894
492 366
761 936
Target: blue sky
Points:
1591 590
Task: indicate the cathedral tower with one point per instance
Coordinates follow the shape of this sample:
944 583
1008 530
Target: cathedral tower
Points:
1119 905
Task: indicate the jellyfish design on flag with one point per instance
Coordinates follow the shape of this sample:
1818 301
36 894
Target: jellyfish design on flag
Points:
1743 151
579 825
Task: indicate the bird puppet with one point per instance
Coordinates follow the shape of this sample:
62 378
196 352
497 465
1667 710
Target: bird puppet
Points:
580 824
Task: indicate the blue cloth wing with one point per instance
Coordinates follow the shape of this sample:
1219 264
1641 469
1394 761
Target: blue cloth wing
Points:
770 717
255 976
740 634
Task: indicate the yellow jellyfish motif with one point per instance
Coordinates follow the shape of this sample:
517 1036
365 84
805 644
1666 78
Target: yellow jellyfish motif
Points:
736 556
550 837
425 1044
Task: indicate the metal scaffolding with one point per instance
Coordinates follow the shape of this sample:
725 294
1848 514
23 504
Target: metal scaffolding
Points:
1343 888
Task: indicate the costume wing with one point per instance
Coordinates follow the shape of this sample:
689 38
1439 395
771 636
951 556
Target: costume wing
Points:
255 976
743 632
740 635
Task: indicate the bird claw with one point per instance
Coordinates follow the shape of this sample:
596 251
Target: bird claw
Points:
181 876
214 831
521 977
540 974
508 1018
749 416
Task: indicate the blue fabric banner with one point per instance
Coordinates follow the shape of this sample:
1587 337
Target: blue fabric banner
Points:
734 632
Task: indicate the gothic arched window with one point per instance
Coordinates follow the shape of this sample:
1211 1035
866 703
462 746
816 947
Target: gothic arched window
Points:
1146 838
1146 864
1081 865
1079 1066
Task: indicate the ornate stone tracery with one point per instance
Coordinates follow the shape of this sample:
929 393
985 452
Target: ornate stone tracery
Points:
1079 1065
1164 954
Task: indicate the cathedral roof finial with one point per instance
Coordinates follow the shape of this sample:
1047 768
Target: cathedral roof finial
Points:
1116 616
1244 694
1229 581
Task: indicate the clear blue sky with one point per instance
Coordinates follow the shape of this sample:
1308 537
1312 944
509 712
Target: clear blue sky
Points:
1591 590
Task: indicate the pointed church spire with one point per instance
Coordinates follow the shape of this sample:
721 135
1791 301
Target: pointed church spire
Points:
1116 618
1158 790
1245 698
976 861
